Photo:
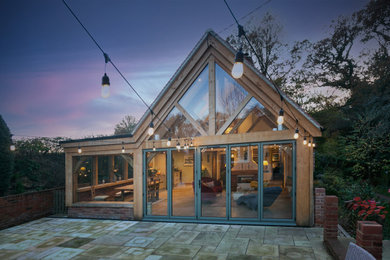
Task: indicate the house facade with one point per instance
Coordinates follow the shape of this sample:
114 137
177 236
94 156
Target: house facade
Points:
217 154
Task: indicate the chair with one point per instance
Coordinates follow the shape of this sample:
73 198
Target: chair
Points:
355 252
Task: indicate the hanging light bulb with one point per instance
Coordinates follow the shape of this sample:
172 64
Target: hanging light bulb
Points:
151 128
313 144
105 86
12 147
296 135
178 145
154 147
309 144
169 142
304 141
123 148
191 144
238 66
281 117
79 150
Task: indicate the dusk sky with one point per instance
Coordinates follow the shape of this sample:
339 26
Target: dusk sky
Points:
50 70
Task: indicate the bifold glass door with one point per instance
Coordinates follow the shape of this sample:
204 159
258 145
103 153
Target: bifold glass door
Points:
221 183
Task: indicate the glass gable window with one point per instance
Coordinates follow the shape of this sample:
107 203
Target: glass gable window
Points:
254 117
196 100
229 95
178 124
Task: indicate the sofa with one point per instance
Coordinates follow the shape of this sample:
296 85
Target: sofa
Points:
269 196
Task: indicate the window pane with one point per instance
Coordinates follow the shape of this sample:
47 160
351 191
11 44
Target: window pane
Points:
156 182
229 94
277 181
179 126
244 181
104 178
196 100
213 182
254 117
183 194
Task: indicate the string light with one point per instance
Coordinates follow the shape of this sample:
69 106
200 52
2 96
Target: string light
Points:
304 141
79 150
105 79
296 135
281 117
178 145
154 147
169 142
309 144
123 147
191 144
12 147
238 66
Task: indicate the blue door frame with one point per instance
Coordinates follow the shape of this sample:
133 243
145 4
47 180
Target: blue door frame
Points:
197 164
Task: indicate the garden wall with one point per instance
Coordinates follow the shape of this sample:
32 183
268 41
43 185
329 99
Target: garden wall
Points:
21 208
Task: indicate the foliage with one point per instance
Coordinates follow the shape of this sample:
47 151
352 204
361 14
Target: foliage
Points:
126 126
39 164
6 157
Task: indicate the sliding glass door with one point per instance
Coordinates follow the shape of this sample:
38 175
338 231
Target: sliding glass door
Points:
228 183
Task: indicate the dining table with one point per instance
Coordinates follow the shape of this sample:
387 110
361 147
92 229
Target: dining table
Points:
123 189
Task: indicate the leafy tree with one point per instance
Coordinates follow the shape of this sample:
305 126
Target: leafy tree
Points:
6 157
126 126
39 164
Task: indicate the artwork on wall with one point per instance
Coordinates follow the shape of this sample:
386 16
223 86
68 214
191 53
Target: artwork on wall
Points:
188 160
275 157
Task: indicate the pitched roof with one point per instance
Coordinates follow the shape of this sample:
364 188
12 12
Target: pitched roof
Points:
248 64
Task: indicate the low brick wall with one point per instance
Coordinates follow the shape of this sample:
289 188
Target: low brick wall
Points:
102 210
21 208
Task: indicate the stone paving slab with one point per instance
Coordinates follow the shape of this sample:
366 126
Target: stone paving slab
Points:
55 238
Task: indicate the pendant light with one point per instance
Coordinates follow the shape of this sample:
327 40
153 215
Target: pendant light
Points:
296 135
178 145
123 148
169 142
238 66
281 117
304 141
309 144
79 150
105 79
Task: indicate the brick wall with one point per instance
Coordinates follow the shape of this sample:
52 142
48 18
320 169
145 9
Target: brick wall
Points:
369 236
331 218
21 208
319 206
102 212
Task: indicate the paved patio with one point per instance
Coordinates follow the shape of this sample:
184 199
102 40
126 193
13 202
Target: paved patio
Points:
61 238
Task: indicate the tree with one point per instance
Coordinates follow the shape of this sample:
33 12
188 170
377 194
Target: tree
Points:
6 157
126 126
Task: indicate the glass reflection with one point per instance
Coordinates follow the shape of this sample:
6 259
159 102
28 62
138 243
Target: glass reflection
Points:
196 100
229 95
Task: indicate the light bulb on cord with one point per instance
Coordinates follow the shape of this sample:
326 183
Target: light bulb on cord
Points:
281 117
314 144
296 135
151 128
105 86
79 150
309 144
154 147
12 147
304 141
238 66
191 144
169 142
123 148
178 145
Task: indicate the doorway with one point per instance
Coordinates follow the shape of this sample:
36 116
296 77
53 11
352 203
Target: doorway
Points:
236 183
